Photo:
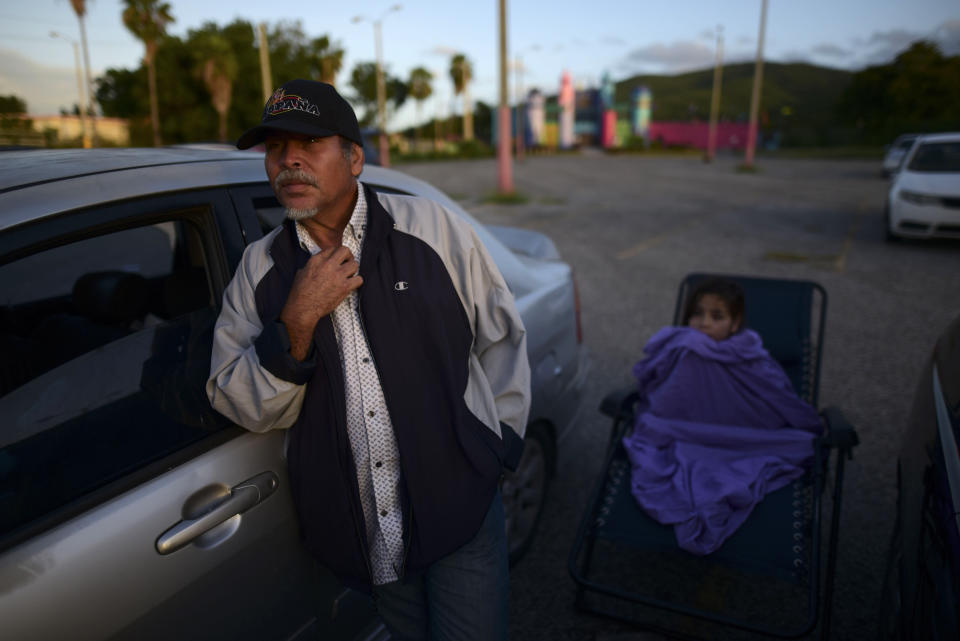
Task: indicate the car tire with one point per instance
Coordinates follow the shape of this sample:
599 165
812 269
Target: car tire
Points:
524 491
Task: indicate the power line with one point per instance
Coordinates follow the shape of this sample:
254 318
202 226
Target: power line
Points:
47 23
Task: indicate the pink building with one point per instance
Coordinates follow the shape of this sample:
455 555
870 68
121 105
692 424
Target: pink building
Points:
730 135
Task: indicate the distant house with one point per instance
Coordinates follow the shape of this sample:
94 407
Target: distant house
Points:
58 130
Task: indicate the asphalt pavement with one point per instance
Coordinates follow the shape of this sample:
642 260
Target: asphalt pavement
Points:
632 226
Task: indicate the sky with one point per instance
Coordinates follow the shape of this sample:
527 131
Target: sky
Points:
585 37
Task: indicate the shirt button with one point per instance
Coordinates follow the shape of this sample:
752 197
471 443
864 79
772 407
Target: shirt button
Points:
378 464
366 360
371 413
383 512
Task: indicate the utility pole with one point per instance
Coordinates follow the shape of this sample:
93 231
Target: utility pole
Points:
91 113
504 163
381 82
755 97
715 99
381 98
266 77
82 96
518 119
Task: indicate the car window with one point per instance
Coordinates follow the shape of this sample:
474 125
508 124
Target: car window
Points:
904 145
104 351
936 156
270 212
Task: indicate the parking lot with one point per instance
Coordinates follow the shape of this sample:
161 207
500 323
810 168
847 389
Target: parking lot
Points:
632 227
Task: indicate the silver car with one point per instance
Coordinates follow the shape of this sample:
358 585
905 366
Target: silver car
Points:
129 509
924 197
895 153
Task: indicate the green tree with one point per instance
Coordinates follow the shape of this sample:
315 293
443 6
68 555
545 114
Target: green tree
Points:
148 20
217 67
363 80
12 105
124 92
421 88
919 91
13 112
294 55
461 72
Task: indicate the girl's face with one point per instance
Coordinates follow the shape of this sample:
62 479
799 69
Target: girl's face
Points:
711 315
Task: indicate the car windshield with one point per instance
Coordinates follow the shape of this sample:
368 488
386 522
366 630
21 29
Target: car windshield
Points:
936 156
905 144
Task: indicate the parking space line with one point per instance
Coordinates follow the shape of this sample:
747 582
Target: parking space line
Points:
841 263
655 240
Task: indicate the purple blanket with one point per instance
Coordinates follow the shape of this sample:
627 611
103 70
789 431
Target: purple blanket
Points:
718 427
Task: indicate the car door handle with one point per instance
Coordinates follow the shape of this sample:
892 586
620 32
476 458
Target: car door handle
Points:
214 505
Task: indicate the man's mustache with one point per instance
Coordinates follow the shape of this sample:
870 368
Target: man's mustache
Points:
295 176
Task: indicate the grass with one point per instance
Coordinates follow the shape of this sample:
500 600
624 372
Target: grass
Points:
508 198
551 200
821 153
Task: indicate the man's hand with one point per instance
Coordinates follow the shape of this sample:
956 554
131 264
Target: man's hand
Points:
326 279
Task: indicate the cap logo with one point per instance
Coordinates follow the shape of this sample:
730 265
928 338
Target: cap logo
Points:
281 102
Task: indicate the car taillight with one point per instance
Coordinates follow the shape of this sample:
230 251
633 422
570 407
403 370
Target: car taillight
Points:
576 308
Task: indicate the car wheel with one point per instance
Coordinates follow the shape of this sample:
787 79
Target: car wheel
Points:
525 491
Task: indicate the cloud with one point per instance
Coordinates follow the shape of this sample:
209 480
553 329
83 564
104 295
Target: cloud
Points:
442 50
795 56
682 55
947 35
612 41
892 41
45 89
881 47
828 50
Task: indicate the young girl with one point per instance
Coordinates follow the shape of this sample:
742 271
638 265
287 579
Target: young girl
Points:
716 308
718 423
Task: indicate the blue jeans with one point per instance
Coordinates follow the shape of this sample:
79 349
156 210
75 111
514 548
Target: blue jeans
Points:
461 597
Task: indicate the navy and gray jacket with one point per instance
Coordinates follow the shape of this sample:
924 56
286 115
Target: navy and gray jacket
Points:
450 350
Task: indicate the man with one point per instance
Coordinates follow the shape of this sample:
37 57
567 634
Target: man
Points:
380 332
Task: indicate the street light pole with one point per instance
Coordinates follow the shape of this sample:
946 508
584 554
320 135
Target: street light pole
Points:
381 82
504 163
518 116
755 96
92 115
87 142
381 97
715 99
266 78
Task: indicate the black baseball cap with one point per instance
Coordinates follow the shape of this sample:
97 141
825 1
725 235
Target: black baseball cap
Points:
305 107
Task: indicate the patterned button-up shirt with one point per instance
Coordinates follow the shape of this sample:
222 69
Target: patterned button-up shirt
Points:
368 422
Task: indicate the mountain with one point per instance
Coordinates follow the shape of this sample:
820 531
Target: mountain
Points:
799 100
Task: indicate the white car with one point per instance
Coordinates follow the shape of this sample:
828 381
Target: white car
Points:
895 153
128 508
924 198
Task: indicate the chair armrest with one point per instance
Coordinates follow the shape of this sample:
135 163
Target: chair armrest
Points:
840 433
619 403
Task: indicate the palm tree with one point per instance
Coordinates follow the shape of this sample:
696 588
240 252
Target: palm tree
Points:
80 8
217 66
420 89
327 59
461 72
147 20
